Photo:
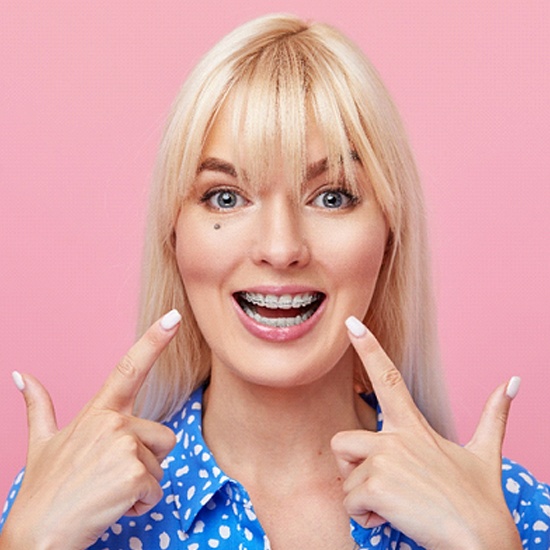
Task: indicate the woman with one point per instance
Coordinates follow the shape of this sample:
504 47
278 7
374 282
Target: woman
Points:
286 206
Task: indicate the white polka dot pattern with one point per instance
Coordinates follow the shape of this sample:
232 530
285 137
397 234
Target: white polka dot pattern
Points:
202 508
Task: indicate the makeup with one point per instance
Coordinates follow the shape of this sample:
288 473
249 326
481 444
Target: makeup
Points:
18 380
170 319
356 327
512 388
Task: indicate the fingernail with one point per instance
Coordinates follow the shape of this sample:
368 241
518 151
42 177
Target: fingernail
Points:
356 327
513 387
18 380
170 319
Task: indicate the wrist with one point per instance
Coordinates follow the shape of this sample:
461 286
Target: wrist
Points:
498 535
13 538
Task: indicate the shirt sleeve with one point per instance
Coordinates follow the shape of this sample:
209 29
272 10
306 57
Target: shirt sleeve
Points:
11 497
529 504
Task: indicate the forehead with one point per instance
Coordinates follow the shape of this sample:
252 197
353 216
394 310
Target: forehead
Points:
223 142
268 136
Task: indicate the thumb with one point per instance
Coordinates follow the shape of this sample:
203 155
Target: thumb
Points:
489 435
40 410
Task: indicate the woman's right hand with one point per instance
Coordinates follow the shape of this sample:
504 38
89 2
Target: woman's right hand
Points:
103 465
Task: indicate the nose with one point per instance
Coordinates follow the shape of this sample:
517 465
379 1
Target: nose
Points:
280 240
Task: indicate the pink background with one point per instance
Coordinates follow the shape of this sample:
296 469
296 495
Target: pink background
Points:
85 88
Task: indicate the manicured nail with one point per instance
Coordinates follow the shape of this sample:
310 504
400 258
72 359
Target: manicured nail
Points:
18 380
356 327
170 319
513 387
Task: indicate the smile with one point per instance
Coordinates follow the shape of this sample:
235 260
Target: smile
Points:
279 311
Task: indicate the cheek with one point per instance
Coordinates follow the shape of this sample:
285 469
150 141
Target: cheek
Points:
356 251
205 252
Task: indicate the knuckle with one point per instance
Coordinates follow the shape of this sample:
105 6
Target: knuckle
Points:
350 483
502 417
373 487
127 367
114 422
136 474
130 445
391 378
158 473
147 495
378 462
156 493
31 405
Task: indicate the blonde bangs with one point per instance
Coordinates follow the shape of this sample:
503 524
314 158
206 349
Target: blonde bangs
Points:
275 97
267 106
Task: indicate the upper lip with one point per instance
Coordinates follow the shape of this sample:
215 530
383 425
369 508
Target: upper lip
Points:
280 290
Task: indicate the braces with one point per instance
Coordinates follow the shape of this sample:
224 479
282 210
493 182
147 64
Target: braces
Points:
278 322
286 301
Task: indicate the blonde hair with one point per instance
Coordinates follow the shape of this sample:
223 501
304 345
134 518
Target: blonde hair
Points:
278 72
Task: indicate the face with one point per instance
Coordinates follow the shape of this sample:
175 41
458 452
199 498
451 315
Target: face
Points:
271 279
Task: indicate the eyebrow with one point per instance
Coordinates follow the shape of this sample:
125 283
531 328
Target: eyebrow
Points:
313 170
316 169
217 165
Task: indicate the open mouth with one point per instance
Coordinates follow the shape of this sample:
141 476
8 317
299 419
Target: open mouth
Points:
282 311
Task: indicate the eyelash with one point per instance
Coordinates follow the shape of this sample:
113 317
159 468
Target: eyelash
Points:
351 199
209 195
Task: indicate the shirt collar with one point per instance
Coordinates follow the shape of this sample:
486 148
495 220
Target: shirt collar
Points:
191 468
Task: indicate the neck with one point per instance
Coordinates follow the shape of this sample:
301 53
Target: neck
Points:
255 430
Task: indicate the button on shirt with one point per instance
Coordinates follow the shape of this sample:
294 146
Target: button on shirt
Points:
203 508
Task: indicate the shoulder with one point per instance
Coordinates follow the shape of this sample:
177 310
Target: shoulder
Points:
529 504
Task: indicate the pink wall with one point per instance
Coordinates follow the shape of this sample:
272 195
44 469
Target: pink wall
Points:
85 87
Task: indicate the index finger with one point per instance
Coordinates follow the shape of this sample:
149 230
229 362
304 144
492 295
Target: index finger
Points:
125 380
389 386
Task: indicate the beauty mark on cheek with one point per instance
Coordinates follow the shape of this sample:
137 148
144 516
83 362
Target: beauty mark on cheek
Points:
217 226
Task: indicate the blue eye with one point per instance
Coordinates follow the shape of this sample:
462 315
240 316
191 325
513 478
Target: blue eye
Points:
223 199
334 199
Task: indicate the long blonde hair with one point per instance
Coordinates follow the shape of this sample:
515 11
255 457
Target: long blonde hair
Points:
278 71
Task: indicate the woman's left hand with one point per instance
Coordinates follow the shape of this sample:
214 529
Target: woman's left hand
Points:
438 493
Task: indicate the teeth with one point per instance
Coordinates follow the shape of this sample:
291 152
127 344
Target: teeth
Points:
286 301
280 321
250 300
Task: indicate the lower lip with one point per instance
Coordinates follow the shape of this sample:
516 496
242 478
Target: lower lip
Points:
278 334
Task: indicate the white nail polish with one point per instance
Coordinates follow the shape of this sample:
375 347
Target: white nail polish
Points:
170 320
18 380
356 327
513 387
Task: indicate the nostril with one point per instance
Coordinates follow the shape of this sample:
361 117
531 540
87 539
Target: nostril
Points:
281 252
280 240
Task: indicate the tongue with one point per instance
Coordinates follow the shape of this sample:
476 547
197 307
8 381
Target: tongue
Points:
278 313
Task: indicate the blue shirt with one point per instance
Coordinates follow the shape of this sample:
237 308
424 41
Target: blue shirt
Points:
203 508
